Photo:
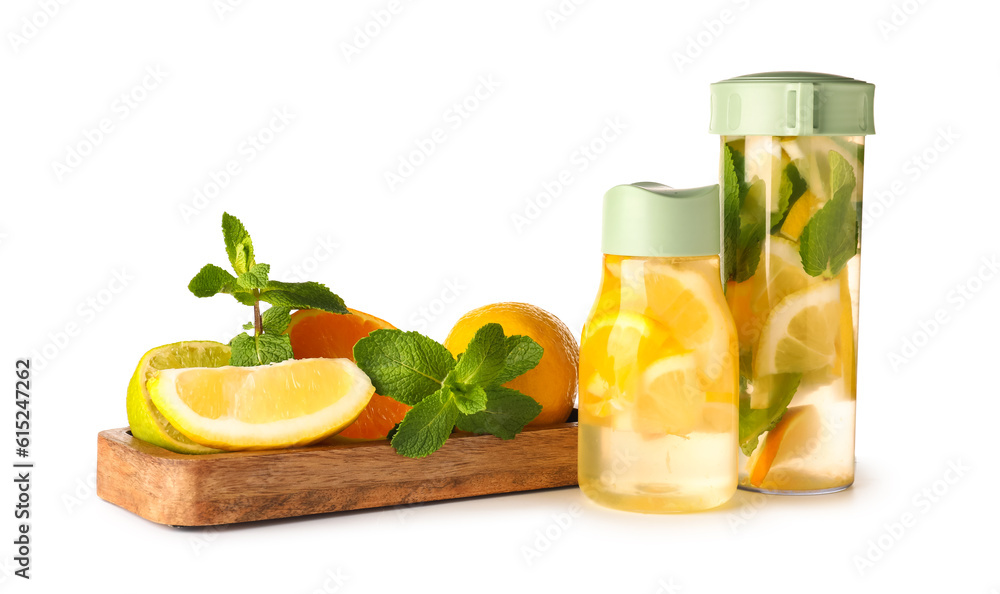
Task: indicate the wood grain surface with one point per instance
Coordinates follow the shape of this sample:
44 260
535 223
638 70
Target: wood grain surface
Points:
187 490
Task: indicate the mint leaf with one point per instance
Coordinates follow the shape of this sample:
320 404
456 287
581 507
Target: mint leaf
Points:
243 351
418 371
748 248
405 366
730 209
523 355
469 400
427 425
275 319
307 295
754 422
239 248
791 189
248 326
255 278
211 280
507 412
248 351
483 359
830 238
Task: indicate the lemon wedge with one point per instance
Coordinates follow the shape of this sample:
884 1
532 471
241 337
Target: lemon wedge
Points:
292 403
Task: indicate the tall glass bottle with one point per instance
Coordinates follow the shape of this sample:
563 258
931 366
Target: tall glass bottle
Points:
791 169
658 357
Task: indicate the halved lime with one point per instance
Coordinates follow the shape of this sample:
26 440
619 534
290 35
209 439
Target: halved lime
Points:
145 421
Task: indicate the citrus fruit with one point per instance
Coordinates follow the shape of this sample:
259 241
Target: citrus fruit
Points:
778 275
553 382
316 333
694 312
613 346
145 421
292 403
799 214
790 438
738 296
801 332
846 346
670 400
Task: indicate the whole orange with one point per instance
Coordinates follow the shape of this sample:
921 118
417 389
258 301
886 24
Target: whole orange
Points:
553 382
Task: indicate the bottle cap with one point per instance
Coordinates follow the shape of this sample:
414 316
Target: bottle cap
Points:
792 104
651 219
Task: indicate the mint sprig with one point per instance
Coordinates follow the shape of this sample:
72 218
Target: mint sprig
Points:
413 369
250 286
830 238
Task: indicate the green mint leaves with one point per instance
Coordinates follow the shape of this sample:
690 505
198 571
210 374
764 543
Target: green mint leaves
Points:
250 286
507 412
742 206
732 186
830 238
415 370
754 422
405 366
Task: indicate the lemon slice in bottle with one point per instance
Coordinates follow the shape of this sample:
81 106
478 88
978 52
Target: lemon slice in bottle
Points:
801 332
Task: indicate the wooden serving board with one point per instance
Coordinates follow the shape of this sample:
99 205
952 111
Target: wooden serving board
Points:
185 490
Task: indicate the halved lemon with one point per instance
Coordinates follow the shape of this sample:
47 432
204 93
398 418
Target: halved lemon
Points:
292 403
145 421
801 332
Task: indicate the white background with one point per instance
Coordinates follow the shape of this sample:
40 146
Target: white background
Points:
317 198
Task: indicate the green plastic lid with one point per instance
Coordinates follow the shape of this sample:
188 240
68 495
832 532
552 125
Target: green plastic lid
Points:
651 219
792 104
